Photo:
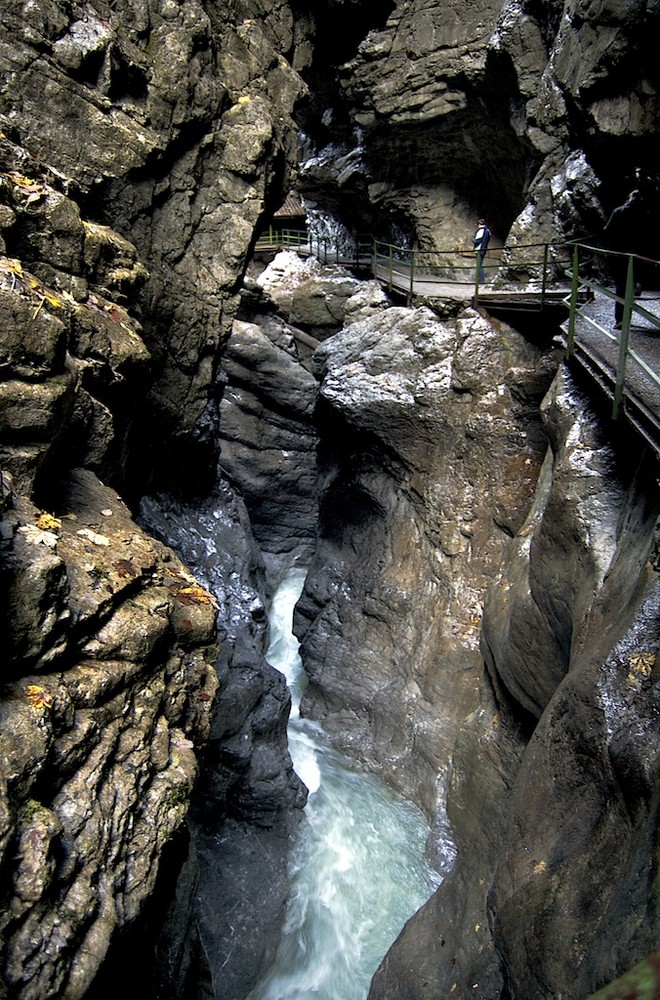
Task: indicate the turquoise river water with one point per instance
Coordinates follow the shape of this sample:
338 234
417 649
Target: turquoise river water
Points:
358 870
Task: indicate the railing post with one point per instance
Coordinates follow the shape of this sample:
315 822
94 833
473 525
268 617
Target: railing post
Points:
544 280
624 338
412 276
391 278
575 284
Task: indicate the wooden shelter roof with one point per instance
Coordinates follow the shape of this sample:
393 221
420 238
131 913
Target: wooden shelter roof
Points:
291 208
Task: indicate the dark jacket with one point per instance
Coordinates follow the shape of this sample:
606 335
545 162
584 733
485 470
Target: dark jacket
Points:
481 238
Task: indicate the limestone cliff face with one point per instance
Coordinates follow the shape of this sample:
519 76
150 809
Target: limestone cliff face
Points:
108 683
142 143
440 450
533 114
172 123
553 889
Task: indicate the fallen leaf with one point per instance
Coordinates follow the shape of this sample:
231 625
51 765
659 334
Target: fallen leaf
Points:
36 536
48 523
125 569
37 697
93 536
193 595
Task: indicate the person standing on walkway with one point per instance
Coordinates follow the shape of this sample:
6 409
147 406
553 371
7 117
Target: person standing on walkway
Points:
632 230
619 233
480 244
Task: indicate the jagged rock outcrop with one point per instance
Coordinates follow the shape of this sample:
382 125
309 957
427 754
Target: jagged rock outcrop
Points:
225 915
533 114
143 143
430 449
116 114
72 354
108 683
267 439
172 124
556 833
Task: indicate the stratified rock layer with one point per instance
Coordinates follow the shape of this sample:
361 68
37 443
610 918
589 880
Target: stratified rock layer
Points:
142 145
430 448
556 833
113 115
172 124
99 750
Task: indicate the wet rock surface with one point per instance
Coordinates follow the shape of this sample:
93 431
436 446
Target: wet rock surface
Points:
101 750
434 417
554 818
142 146
267 438
248 799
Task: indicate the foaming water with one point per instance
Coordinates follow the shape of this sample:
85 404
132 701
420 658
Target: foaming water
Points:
358 870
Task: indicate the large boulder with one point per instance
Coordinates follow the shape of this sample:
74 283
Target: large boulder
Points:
430 448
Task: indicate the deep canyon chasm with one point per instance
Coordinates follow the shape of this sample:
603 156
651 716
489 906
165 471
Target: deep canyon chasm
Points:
180 422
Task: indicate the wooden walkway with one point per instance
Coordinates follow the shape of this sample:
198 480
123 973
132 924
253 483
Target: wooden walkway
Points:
597 351
530 296
622 366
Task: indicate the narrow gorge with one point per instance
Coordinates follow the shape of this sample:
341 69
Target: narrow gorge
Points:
187 419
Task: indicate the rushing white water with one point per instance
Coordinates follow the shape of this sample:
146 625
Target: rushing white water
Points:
358 871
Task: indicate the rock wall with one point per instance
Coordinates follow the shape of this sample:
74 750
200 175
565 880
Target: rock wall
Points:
142 144
532 114
430 450
108 682
554 789
221 916
173 125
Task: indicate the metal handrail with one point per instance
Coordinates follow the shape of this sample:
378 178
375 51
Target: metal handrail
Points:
630 308
432 265
573 259
414 264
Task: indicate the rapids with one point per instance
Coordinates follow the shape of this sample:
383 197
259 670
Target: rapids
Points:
358 870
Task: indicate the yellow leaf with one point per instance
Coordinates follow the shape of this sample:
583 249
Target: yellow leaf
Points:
48 523
643 663
10 264
52 300
19 179
194 595
37 697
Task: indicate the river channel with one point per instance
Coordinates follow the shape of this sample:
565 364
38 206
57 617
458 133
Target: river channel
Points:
358 870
